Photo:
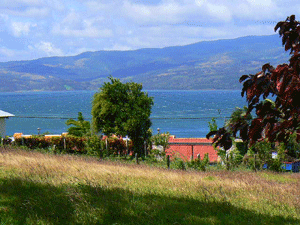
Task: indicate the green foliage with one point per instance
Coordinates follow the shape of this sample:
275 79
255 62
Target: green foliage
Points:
213 124
178 164
199 164
69 144
239 123
231 158
95 146
292 146
260 155
123 109
117 146
80 127
160 139
276 164
242 147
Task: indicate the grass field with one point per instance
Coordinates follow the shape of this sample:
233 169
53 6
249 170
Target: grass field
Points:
38 188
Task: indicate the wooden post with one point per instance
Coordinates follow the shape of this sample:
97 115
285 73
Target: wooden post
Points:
254 162
227 161
136 158
127 149
65 144
192 157
168 161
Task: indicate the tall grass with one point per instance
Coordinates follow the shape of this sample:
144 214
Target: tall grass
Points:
38 188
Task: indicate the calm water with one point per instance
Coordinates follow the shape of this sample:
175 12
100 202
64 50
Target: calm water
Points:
182 113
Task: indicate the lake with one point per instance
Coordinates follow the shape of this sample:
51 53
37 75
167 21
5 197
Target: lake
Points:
182 113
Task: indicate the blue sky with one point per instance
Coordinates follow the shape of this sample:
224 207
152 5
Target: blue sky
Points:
31 29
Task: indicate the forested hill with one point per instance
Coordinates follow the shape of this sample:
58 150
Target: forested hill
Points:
204 65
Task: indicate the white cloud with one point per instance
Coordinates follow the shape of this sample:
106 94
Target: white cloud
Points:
118 47
6 53
21 28
167 12
219 12
20 3
265 3
86 32
75 25
47 48
29 12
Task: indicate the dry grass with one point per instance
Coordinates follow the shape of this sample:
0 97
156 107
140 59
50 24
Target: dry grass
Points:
269 197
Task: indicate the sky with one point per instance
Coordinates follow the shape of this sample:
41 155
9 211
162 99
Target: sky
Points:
31 29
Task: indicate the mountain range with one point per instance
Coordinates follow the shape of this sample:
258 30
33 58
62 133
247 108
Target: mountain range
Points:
203 65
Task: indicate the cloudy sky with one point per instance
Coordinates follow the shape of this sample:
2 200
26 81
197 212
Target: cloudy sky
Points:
31 29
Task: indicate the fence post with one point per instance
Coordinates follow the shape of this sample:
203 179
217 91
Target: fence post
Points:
192 157
168 161
65 144
136 158
145 148
227 161
127 147
254 162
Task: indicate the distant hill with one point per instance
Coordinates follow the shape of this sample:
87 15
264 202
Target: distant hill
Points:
203 65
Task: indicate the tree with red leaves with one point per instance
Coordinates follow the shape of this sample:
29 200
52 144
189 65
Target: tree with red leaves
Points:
274 121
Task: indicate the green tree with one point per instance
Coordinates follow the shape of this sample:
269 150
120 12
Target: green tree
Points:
239 122
123 109
161 139
80 127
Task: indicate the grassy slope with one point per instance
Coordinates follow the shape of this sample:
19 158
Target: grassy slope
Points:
44 189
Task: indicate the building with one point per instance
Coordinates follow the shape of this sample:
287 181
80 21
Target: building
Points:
190 148
3 117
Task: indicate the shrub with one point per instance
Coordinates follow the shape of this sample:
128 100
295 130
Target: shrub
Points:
199 164
95 146
70 144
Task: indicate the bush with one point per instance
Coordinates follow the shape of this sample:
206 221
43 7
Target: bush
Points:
95 146
199 164
178 163
70 144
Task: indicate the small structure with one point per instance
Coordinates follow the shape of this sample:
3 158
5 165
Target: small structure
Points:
190 148
3 116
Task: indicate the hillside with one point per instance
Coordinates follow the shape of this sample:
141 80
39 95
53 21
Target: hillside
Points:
53 189
204 65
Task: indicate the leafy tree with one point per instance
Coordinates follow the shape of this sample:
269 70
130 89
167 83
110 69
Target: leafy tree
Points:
213 124
123 109
161 139
274 121
238 123
80 127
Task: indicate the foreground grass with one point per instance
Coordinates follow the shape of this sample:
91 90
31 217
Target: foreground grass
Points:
37 188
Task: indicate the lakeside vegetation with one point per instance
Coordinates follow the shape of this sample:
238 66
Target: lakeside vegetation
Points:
38 188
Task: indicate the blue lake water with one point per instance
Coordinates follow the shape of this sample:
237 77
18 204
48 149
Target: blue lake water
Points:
182 113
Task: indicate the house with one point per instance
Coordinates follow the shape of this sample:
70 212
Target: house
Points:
3 117
190 148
